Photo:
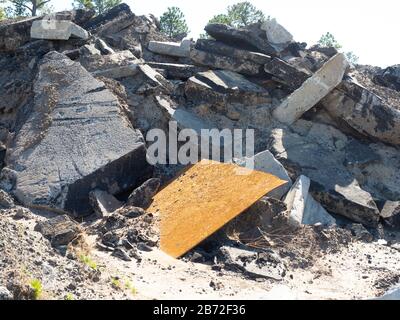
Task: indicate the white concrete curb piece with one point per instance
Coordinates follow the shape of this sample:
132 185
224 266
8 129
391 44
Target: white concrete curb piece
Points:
57 30
174 49
312 90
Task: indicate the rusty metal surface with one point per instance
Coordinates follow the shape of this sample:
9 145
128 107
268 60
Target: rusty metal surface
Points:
204 199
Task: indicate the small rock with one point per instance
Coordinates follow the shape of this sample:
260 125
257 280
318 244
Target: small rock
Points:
360 232
121 254
6 202
5 294
133 212
60 230
142 196
144 247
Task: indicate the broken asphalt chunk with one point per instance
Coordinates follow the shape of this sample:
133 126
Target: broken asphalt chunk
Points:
75 139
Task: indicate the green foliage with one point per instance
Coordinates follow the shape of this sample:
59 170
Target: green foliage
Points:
86 260
83 4
100 6
36 285
2 14
129 286
173 22
239 15
328 40
69 297
351 57
22 8
115 283
244 13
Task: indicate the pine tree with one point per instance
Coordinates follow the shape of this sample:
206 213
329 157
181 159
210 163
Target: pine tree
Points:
173 22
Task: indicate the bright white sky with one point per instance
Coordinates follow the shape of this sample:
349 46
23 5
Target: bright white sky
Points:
369 28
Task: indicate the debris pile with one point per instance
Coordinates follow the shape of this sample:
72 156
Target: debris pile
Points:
81 92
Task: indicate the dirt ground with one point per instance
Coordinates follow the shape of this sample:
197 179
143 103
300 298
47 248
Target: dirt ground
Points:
357 270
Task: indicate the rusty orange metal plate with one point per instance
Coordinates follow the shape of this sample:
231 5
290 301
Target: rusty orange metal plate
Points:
204 199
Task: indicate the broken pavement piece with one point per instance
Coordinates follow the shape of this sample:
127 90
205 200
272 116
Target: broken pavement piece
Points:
60 231
142 196
57 30
219 48
312 90
177 71
174 49
285 73
217 61
204 199
103 203
276 33
331 183
303 209
364 111
15 33
75 139
221 87
266 162
391 214
251 37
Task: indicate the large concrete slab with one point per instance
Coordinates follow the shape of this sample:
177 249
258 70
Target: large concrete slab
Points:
331 183
75 139
175 49
219 61
57 30
313 90
222 86
204 199
252 37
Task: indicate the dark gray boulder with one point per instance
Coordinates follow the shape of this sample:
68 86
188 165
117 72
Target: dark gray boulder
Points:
252 37
364 111
73 139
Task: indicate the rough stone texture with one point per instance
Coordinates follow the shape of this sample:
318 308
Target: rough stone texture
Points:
6 202
389 77
141 197
60 231
391 213
220 86
266 162
276 33
75 139
285 73
174 49
302 207
5 294
261 215
254 264
219 48
217 61
118 72
57 30
177 71
104 203
107 16
15 34
104 47
364 111
251 38
312 90
331 183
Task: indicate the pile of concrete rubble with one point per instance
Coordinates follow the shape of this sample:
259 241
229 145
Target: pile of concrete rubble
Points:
79 92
